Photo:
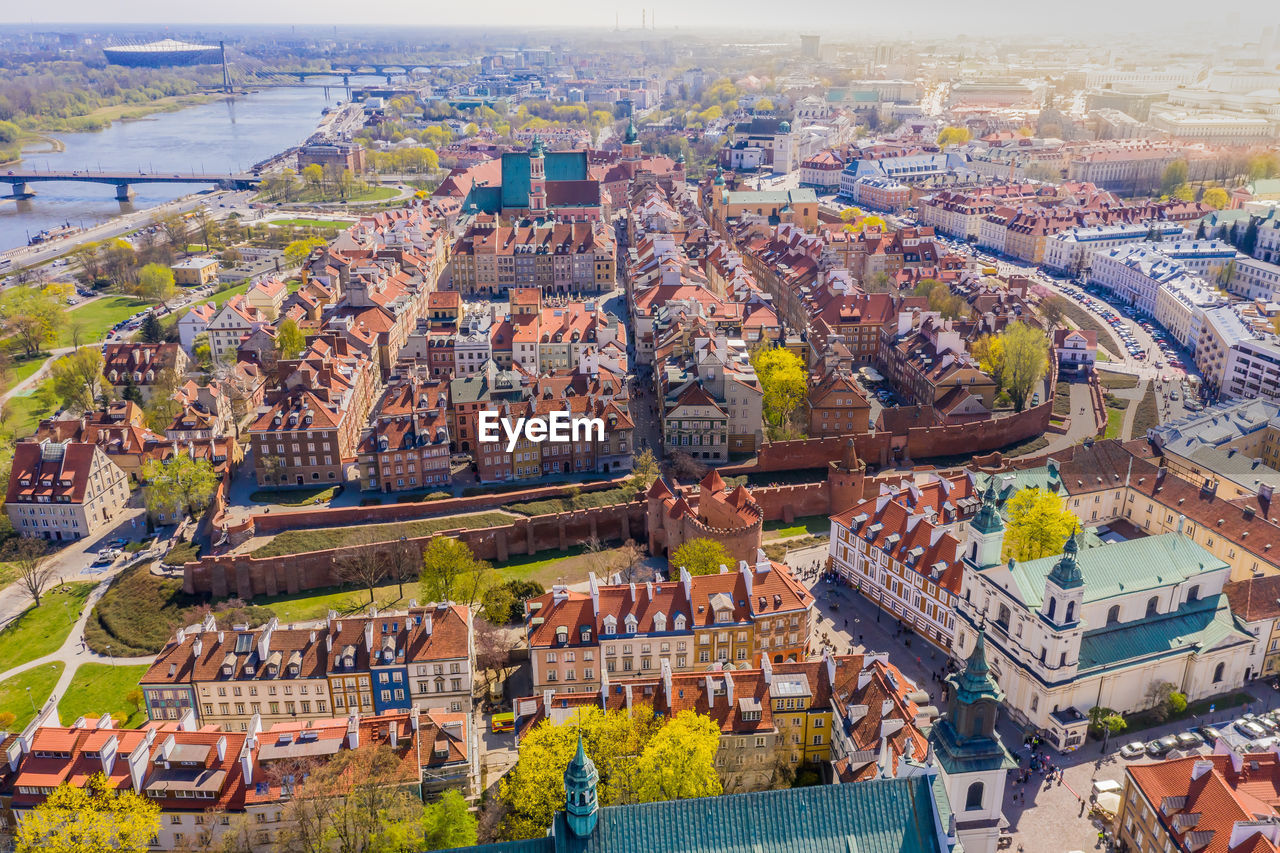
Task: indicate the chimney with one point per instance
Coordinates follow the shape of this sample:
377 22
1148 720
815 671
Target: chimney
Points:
393 734
138 760
427 624
246 767
745 570
368 635
413 718
108 754
762 561
222 748
1200 768
728 688
196 647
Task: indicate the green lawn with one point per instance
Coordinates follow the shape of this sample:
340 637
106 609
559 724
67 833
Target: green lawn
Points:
582 500
1147 416
138 614
1117 381
315 603
30 407
42 630
294 497
21 369
17 700
305 541
100 688
811 525
334 224
98 317
1115 422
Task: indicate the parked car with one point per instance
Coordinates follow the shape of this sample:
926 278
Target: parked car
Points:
1161 747
1137 749
1250 729
1188 740
1210 734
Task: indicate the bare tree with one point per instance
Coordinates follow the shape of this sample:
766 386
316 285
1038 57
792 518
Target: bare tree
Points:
405 563
363 562
35 569
493 649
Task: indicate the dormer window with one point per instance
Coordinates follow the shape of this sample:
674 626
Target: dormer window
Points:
586 635
631 623
562 635
660 622
724 616
610 625
680 621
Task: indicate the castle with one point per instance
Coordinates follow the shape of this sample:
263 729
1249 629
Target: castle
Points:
676 515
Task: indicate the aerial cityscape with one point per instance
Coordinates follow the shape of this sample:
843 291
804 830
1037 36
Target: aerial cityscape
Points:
694 428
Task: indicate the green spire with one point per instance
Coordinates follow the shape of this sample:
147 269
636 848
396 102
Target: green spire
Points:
580 780
535 149
633 135
1065 573
987 519
975 682
719 181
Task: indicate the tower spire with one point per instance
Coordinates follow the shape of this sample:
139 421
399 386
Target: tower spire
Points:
580 781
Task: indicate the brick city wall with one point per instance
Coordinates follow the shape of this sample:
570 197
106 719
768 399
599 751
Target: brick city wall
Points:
243 576
976 437
268 524
787 503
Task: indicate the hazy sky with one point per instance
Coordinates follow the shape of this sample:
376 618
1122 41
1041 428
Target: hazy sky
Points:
916 16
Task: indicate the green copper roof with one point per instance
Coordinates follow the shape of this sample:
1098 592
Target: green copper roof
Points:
1119 568
558 166
987 519
975 682
876 816
632 136
1065 573
1200 624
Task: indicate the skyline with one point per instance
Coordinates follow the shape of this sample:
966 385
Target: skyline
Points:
929 17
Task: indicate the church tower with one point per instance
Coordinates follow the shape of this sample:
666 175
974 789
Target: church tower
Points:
972 760
580 780
1064 588
537 178
846 479
631 142
985 537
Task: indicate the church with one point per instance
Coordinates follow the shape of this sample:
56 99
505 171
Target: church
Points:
948 801
1096 626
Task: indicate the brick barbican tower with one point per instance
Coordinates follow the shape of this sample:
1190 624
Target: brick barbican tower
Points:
846 479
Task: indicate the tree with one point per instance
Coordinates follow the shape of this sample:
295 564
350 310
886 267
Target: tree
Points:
450 572
364 562
151 332
1026 358
700 556
178 484
206 226
953 136
1103 719
494 646
88 257
313 177
177 232
878 282
94 817
783 381
1249 241
679 762
1038 524
1177 702
32 316
359 801
498 604
534 789
1159 699
289 340
1175 175
988 351
155 282
164 404
645 468
299 250
1054 310
35 571
447 823
1216 197
77 378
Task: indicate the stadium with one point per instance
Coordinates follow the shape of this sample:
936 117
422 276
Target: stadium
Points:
161 54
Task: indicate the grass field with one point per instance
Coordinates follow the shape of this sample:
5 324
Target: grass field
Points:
305 541
1117 381
335 224
314 604
15 698
1147 416
294 497
582 500
809 525
1115 422
98 317
1086 320
100 688
21 369
42 630
31 407
138 614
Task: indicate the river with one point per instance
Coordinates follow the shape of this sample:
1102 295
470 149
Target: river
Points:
227 135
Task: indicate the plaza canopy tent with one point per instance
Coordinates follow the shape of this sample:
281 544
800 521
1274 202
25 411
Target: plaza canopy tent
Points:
871 374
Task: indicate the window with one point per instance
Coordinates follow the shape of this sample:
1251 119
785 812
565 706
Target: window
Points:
1113 615
1217 672
973 799
1152 604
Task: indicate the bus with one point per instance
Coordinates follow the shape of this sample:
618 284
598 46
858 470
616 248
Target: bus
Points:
503 722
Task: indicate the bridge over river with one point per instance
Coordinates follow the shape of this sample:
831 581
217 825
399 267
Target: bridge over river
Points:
20 182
